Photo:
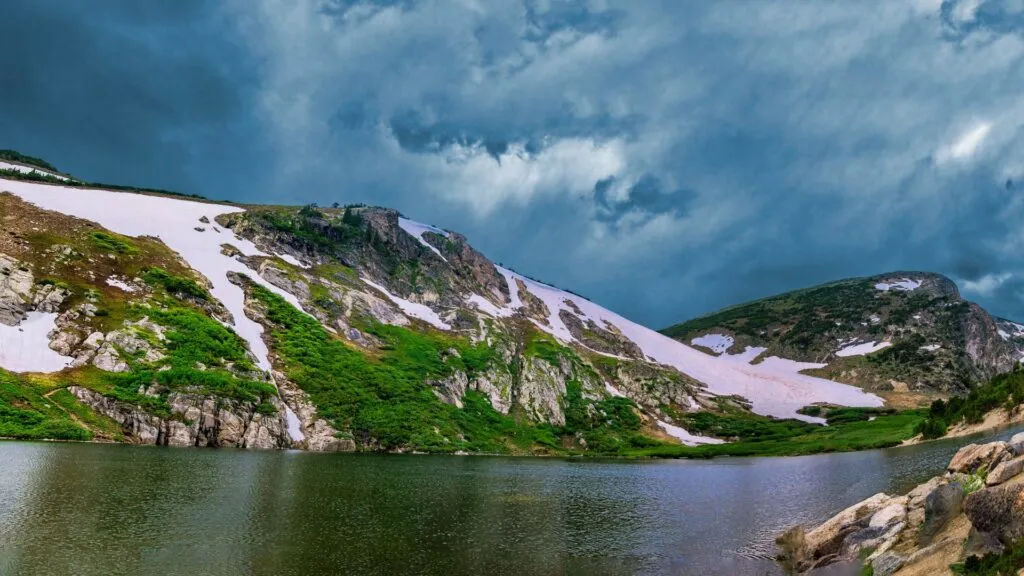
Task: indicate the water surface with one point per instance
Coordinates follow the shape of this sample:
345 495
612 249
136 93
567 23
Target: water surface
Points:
80 509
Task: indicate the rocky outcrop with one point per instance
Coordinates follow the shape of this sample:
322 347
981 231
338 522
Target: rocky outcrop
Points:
497 385
541 389
15 290
317 434
652 386
938 523
607 340
974 457
998 511
195 420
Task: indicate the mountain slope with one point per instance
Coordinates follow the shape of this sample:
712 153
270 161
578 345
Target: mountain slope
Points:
896 333
194 323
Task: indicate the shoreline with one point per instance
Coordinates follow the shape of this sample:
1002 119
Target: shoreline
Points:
994 420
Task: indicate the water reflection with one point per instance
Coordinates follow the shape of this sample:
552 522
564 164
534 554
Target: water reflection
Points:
84 510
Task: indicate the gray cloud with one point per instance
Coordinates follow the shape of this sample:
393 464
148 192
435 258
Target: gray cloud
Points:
663 158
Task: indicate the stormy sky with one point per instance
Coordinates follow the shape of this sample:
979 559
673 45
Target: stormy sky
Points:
662 157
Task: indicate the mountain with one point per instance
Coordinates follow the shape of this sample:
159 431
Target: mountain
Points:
907 336
143 316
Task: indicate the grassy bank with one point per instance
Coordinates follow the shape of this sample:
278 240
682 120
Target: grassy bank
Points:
848 429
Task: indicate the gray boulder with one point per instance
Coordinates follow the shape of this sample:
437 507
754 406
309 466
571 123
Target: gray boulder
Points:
940 506
999 511
974 457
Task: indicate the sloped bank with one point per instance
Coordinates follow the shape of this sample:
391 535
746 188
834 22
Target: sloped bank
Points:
969 520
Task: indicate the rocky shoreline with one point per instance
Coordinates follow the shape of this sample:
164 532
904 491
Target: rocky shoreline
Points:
976 507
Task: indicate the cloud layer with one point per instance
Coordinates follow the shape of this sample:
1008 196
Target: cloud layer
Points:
663 158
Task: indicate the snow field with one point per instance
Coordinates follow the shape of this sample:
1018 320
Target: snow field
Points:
26 347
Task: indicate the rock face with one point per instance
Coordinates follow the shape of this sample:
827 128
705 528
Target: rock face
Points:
998 511
15 291
195 421
317 434
1004 471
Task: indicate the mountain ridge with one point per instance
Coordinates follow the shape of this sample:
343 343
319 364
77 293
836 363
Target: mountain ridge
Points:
342 328
907 317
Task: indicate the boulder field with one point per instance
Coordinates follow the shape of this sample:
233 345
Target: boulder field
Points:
976 507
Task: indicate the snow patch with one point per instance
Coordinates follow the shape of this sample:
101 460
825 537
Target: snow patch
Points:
294 425
421 311
685 437
861 349
417 229
718 343
1004 334
173 221
485 305
749 354
775 387
905 284
292 260
26 347
513 288
120 284
931 347
613 391
29 170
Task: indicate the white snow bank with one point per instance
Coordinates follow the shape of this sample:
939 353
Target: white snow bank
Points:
931 347
1004 334
120 284
905 284
513 288
417 229
749 354
29 170
861 349
421 311
172 221
774 387
294 425
26 347
718 343
292 260
685 437
485 305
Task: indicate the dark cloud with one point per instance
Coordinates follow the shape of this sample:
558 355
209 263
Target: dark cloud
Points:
662 158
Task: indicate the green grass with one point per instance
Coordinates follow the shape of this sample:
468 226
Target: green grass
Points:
26 414
175 285
111 243
201 354
540 345
386 402
760 436
1005 563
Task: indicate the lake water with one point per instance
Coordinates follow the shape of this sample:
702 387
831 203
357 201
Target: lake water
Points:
80 509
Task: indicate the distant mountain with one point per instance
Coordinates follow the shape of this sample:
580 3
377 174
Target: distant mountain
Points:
905 335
